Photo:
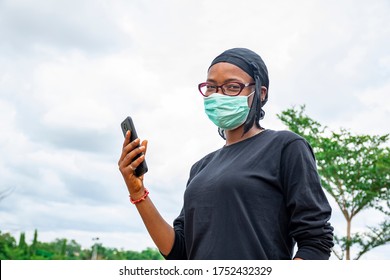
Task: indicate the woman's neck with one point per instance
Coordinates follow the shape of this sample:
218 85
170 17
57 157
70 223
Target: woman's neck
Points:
236 135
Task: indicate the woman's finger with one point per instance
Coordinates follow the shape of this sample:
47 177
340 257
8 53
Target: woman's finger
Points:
129 157
145 144
128 148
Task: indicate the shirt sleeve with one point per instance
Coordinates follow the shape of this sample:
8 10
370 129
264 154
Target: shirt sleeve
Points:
178 251
307 204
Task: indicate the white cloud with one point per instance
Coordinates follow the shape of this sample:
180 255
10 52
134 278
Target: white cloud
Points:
73 70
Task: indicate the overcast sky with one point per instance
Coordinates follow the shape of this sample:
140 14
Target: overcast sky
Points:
71 71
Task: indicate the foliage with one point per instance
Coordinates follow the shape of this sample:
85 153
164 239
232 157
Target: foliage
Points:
62 249
355 171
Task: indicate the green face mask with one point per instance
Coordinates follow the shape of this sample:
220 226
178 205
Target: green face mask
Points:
227 112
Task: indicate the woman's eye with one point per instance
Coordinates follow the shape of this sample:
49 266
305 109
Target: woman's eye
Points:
233 87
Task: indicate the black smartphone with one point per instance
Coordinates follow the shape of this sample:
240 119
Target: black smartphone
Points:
126 125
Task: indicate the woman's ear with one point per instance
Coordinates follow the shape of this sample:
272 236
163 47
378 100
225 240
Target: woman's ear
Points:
263 93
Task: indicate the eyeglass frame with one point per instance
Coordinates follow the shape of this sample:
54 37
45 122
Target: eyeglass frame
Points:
242 86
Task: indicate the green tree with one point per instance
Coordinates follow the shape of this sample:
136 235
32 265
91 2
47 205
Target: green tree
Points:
355 171
7 246
23 247
62 249
33 247
151 254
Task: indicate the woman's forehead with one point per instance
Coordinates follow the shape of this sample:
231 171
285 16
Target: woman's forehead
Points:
225 70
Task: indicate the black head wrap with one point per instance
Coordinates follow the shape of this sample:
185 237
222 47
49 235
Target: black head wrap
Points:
252 64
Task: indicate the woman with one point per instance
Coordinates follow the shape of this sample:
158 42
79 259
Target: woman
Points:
254 198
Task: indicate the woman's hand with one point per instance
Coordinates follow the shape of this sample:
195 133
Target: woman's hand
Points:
127 165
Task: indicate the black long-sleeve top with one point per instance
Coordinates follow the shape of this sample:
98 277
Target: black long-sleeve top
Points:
254 200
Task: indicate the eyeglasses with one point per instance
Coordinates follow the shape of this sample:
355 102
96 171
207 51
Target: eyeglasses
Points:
230 88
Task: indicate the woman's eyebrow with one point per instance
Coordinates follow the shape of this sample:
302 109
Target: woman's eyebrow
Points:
226 81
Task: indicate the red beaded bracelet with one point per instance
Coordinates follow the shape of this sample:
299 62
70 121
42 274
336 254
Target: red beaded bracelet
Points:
142 198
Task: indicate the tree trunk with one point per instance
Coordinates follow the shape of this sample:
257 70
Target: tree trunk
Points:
348 243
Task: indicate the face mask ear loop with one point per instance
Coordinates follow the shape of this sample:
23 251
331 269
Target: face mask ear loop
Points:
221 133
